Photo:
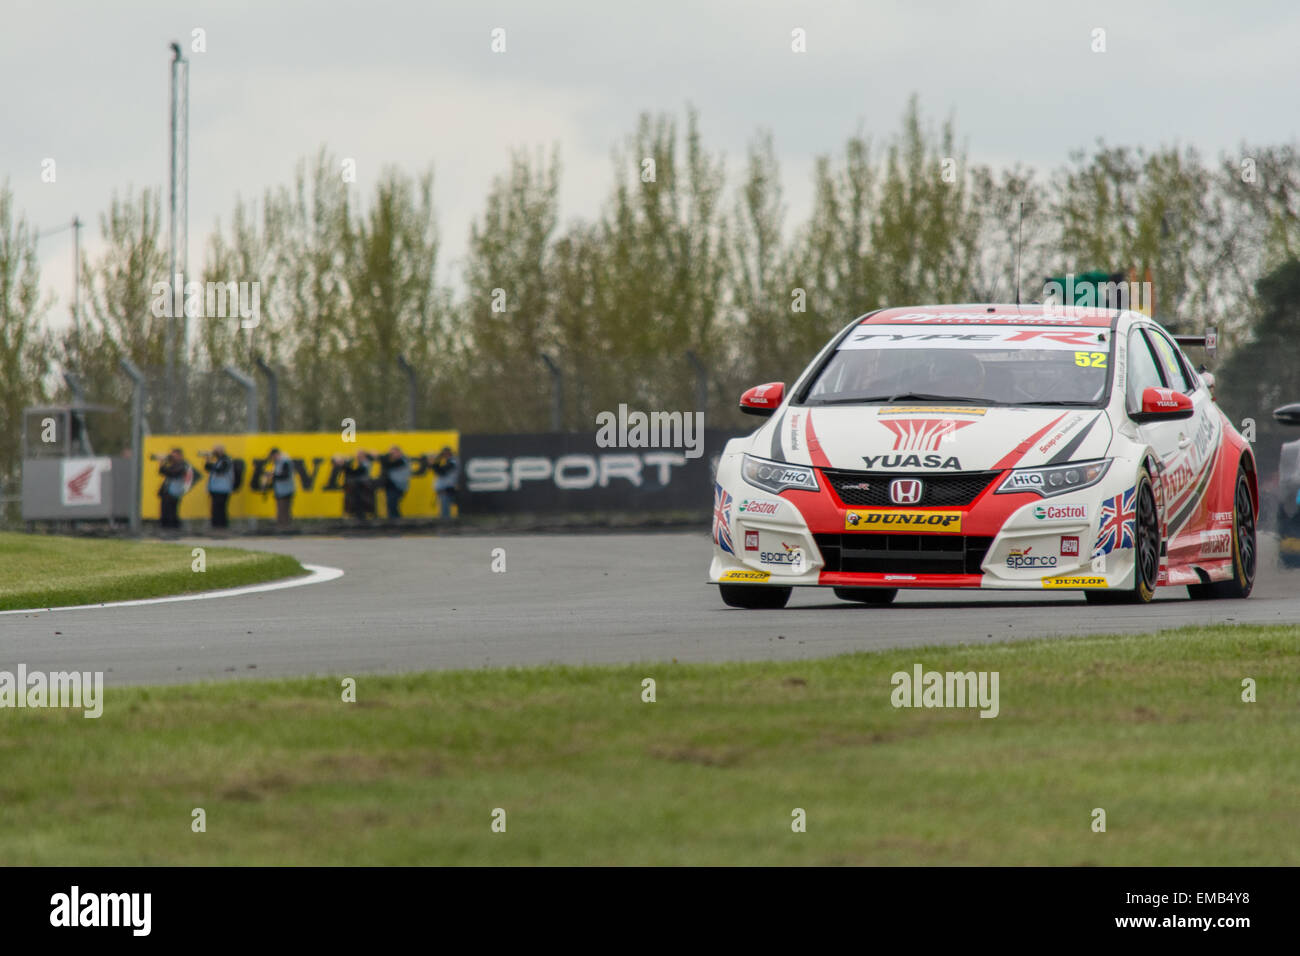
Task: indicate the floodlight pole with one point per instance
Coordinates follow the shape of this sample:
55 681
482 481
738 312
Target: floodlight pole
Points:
179 228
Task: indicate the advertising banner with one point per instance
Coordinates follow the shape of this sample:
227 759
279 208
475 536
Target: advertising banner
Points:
318 483
563 472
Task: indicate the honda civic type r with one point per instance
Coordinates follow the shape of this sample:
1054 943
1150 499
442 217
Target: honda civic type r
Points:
988 446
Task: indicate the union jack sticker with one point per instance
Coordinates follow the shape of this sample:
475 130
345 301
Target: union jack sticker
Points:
1118 525
722 518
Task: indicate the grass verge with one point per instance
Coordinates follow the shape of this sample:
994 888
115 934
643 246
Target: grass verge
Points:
1152 729
39 571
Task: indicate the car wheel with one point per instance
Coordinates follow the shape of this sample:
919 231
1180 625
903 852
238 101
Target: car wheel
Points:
867 595
1244 550
754 597
1146 552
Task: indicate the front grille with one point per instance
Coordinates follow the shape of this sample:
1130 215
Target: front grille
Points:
936 490
903 553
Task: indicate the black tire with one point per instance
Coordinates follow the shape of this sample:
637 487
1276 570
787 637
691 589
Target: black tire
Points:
1146 552
754 597
867 595
1245 551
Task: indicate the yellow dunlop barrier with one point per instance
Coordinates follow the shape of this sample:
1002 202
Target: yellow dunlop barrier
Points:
318 485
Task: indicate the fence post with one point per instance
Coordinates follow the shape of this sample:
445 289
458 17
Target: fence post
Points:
79 417
272 394
250 387
409 371
557 392
137 440
701 381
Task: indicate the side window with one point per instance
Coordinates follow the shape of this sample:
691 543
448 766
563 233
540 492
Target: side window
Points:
1175 370
1143 372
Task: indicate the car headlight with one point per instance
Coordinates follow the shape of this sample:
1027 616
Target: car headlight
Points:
1057 480
776 476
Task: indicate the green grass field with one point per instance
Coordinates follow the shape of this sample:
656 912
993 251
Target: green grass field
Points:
38 571
1150 728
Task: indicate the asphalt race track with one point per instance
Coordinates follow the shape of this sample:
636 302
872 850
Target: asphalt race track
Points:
422 603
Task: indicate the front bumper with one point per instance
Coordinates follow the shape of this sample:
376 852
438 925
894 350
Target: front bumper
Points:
1009 542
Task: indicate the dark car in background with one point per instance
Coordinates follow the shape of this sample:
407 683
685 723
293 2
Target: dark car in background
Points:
1288 487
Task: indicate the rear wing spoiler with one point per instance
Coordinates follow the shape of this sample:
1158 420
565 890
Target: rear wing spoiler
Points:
1209 341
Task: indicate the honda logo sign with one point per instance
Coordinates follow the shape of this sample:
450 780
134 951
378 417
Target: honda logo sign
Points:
905 491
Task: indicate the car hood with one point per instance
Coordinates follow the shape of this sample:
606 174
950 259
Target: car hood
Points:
932 438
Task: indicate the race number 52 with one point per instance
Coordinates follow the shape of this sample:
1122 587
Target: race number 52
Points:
1090 359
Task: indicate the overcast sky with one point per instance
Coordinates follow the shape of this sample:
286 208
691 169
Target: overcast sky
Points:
416 83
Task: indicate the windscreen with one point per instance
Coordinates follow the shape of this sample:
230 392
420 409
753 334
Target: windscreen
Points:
977 364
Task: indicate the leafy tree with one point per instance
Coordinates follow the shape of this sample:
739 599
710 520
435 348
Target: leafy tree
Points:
676 262
507 298
760 279
24 347
665 251
124 310
396 308
1010 247
1122 209
1256 199
1264 371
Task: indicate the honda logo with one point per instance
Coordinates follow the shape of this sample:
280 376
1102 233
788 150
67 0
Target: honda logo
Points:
905 491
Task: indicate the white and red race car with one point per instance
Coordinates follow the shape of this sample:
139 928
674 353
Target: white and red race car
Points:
988 446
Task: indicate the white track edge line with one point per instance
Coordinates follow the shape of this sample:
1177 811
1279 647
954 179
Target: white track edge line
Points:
319 575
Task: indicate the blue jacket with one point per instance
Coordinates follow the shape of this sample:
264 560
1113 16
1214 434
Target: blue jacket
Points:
282 479
221 476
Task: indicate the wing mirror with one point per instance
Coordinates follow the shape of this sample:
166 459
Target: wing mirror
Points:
763 400
1287 414
1163 405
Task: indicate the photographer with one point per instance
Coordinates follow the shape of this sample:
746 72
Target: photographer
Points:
281 482
221 483
447 468
395 479
178 476
358 490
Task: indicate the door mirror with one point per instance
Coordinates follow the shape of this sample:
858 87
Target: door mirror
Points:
1287 414
763 399
1163 405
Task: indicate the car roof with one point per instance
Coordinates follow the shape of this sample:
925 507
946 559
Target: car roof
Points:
994 314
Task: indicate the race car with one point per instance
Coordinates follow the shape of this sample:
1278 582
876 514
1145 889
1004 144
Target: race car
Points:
1288 486
1000 447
